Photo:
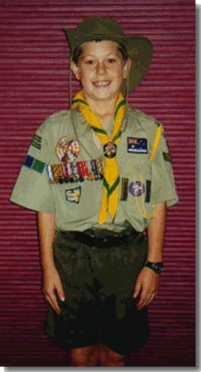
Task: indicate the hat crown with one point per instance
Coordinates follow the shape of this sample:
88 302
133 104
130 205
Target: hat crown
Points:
99 25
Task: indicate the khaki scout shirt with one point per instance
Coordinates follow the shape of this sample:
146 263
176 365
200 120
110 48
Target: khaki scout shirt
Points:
142 183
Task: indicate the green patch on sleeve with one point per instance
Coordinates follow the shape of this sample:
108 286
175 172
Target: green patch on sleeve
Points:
38 166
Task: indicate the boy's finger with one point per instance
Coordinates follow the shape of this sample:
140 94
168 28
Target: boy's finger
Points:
145 299
56 305
60 293
53 302
137 289
142 300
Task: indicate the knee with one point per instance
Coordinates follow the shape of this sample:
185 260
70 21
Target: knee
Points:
110 358
79 360
84 357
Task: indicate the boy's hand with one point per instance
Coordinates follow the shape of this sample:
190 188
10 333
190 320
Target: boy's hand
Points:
147 284
52 282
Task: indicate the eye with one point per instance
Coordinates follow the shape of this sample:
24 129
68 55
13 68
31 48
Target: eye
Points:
89 62
111 60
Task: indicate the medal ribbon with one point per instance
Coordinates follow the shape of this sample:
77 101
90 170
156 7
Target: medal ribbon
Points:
111 172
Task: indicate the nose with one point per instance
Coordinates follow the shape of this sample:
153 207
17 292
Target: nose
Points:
100 67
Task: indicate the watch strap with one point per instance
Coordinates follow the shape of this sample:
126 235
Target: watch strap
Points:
158 267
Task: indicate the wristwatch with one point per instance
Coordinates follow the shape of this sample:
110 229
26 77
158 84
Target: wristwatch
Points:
158 267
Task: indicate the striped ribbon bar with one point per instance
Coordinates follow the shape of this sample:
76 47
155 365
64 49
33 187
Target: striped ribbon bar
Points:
75 172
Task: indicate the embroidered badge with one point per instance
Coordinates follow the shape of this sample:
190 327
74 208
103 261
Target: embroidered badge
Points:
37 141
67 151
34 164
136 188
28 161
148 191
73 195
167 157
124 188
137 145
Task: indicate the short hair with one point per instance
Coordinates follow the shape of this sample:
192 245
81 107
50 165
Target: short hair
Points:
78 51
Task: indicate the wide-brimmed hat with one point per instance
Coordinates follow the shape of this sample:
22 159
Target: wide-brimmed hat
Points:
139 49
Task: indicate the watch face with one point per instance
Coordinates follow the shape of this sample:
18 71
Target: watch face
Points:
159 267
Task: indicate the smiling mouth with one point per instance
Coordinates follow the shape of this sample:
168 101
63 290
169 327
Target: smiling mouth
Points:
103 83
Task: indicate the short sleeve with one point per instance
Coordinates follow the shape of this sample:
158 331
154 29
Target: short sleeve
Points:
163 184
32 189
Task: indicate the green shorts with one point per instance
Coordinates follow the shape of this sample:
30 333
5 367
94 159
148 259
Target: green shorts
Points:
98 284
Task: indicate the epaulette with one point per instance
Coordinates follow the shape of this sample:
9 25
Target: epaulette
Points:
158 132
155 145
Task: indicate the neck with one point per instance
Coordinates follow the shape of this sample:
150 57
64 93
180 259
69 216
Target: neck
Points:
103 110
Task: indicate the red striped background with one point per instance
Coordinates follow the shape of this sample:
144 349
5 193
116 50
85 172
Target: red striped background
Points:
34 84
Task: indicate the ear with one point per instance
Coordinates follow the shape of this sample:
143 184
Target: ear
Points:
75 70
126 69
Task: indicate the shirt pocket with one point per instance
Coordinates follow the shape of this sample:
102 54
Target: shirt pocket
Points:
136 186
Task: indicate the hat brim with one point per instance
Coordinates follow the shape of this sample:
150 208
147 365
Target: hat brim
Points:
139 50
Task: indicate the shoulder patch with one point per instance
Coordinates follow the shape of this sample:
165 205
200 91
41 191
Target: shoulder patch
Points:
167 157
36 141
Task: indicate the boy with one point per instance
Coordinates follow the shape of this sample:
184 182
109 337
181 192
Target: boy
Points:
98 176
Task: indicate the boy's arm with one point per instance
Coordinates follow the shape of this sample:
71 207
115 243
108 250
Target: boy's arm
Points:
51 279
156 234
148 281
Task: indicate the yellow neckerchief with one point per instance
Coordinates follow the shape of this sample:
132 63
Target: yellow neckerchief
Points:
111 172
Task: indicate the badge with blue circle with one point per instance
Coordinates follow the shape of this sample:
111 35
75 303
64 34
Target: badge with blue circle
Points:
137 188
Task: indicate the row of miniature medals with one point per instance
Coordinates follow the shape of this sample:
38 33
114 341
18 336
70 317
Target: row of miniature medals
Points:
74 172
81 170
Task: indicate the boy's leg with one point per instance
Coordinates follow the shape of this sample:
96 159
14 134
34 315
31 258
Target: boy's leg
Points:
86 356
91 355
109 358
123 328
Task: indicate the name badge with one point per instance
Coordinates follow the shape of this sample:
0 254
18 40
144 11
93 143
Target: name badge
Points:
137 145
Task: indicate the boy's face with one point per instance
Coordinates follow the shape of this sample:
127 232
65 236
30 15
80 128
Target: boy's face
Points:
101 70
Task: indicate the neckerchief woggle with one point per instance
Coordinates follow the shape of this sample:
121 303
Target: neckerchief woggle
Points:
111 181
